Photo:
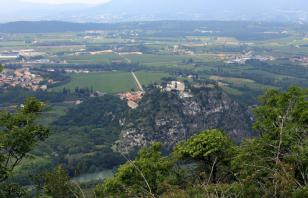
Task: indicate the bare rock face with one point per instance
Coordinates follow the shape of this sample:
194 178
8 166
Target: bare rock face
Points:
169 118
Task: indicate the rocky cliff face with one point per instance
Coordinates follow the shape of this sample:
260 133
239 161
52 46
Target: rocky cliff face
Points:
171 117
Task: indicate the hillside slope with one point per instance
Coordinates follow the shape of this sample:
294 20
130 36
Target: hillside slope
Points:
169 118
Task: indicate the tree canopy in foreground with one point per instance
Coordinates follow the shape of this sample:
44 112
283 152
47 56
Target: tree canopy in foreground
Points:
19 134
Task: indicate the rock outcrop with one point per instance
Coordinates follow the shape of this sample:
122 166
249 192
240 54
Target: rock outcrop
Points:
171 117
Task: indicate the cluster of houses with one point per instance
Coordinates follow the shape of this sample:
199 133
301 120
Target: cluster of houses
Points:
14 54
178 87
109 51
242 58
175 86
300 59
22 78
132 98
179 50
66 70
26 56
77 71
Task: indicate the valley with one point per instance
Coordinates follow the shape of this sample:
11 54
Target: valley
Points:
112 89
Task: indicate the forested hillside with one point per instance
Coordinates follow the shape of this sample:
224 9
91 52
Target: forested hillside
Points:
88 137
210 165
168 117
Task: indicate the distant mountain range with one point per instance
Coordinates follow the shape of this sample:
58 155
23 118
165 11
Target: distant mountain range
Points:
261 10
242 30
144 10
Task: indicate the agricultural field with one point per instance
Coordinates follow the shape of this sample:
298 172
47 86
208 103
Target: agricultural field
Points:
231 85
264 60
112 82
92 59
146 77
109 82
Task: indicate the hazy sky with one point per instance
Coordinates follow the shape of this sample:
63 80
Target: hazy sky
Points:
67 1
222 2
119 10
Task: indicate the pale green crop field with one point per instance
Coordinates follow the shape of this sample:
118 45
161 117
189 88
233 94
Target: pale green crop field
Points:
147 78
109 82
93 59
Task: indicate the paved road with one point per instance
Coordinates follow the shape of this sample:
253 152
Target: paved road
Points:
127 59
138 82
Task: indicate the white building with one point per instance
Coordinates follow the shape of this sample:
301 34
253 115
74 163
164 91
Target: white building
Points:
175 86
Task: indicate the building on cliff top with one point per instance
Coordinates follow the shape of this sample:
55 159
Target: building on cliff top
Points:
175 86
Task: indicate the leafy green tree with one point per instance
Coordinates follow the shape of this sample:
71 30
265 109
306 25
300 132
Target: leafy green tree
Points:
139 178
213 148
19 133
12 190
57 184
276 162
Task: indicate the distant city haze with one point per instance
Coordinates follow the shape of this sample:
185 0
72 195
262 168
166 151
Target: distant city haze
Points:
149 10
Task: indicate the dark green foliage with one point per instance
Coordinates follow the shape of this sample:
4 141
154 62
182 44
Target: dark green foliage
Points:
213 148
301 192
12 191
277 159
32 105
18 135
59 77
57 184
287 110
139 178
82 140
206 144
19 95
283 69
210 191
82 149
99 111
85 135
